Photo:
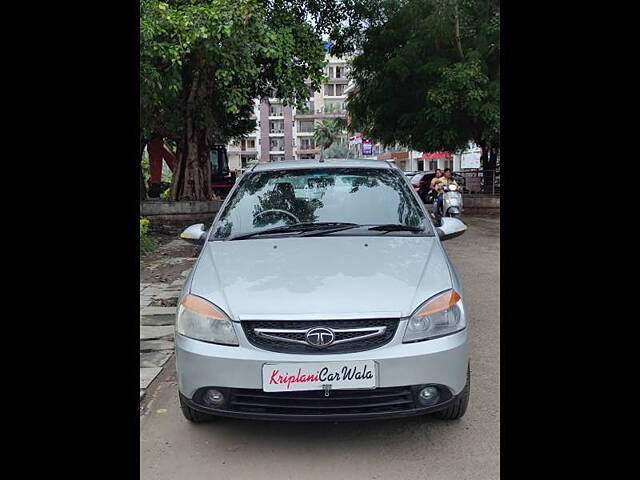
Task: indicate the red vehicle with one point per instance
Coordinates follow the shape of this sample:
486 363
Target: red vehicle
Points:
222 179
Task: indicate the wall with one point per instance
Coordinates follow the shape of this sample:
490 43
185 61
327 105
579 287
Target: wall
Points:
472 201
180 211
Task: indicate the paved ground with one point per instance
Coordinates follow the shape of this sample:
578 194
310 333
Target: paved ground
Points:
170 262
419 448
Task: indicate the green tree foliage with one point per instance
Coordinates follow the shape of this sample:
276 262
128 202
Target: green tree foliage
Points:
427 72
329 131
203 62
147 243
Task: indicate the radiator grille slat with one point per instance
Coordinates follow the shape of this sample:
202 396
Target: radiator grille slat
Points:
357 345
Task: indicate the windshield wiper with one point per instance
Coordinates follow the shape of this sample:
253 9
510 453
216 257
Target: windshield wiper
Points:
392 227
296 227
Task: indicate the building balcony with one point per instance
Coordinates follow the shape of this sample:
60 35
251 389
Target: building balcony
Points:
276 133
310 116
303 150
249 151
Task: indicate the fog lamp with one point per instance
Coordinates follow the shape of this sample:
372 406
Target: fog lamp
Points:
213 398
428 395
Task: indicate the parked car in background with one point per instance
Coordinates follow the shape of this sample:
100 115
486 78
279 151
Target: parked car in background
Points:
322 292
422 177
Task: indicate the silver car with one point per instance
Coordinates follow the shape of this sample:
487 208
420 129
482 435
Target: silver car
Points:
322 292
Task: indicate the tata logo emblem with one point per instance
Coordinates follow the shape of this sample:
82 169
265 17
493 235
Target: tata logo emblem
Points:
319 337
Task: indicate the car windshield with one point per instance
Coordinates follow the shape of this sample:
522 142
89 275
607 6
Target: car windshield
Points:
361 196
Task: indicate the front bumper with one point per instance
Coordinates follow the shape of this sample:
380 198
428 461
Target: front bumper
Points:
440 361
342 405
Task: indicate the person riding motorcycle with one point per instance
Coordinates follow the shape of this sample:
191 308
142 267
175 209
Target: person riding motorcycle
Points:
445 181
435 181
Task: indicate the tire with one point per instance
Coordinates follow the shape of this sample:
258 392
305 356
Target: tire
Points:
195 416
458 408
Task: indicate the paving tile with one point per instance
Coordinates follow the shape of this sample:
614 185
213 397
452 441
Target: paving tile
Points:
157 320
149 345
147 375
159 310
168 294
149 333
154 359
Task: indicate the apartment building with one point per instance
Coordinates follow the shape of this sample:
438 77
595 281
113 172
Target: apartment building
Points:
286 133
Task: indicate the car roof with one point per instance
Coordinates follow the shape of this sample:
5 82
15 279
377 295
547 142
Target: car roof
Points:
428 172
327 163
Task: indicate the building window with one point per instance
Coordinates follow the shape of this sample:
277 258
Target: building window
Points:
305 156
330 72
340 90
420 165
448 163
339 72
305 126
275 110
276 158
276 144
307 144
433 164
276 126
328 90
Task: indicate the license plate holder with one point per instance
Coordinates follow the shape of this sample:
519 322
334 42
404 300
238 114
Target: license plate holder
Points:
302 376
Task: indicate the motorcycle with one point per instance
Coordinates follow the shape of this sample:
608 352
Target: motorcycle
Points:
451 202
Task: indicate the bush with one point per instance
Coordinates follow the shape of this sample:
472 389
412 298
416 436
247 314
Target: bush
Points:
166 194
147 244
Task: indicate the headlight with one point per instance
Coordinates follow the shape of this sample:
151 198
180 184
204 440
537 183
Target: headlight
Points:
453 188
440 315
201 320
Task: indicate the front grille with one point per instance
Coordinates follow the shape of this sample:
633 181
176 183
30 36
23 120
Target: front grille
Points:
358 345
388 400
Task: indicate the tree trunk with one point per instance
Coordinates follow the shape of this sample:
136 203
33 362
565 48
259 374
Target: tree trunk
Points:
143 187
457 32
178 173
191 181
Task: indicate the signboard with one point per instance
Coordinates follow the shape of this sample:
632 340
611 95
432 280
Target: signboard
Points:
366 147
356 139
470 160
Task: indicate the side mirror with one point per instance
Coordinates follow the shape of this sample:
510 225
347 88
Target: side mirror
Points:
194 234
450 228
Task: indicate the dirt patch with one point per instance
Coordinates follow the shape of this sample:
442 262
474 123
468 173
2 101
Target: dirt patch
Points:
171 257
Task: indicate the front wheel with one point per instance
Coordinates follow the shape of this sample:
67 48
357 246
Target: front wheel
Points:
458 408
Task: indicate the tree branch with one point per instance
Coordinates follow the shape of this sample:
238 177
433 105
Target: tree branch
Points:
457 25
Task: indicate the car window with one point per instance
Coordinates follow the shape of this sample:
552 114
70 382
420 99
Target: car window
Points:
284 197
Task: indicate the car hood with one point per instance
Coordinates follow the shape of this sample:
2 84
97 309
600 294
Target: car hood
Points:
321 277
